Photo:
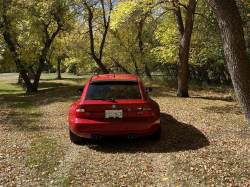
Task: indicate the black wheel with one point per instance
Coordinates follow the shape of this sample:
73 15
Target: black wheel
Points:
156 135
74 138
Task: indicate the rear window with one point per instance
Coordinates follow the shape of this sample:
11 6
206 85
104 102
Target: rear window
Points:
113 90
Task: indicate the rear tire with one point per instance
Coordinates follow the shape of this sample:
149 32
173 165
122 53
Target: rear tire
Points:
74 138
156 135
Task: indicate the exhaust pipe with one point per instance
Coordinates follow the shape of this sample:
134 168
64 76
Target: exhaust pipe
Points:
132 136
96 136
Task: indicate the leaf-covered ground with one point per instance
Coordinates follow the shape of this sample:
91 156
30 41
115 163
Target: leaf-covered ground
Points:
205 141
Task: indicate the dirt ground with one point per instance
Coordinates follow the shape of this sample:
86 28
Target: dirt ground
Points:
204 142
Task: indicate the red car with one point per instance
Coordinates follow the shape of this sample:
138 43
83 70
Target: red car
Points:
114 105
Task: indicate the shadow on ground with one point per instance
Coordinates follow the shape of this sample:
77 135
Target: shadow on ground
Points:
23 113
46 85
232 109
163 92
44 97
171 92
176 136
214 98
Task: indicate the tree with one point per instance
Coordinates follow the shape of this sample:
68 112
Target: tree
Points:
98 16
59 52
207 62
29 28
229 19
79 58
184 30
185 40
133 31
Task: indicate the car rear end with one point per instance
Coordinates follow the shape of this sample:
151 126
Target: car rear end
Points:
114 105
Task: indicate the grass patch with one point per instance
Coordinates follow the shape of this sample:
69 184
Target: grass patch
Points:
9 85
66 181
49 81
161 80
43 154
23 113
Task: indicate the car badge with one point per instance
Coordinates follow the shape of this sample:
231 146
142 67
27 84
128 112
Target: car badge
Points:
129 109
113 106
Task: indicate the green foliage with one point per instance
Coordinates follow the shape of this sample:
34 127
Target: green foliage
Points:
28 29
123 12
244 8
6 62
166 33
206 39
77 49
246 2
142 36
133 37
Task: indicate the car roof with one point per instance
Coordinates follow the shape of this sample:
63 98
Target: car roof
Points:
114 77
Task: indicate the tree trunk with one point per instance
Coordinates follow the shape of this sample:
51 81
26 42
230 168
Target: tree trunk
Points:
185 39
101 66
59 59
20 79
135 64
229 19
31 73
41 62
120 66
140 44
30 87
147 72
136 68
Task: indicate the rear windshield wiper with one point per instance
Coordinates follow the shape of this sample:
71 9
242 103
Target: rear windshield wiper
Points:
104 99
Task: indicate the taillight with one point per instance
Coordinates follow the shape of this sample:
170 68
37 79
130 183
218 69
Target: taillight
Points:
146 112
81 113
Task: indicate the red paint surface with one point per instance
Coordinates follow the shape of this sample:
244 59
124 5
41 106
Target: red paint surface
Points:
94 122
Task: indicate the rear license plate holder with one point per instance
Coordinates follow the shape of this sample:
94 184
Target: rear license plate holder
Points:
113 114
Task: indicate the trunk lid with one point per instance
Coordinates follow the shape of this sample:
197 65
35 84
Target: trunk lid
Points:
128 108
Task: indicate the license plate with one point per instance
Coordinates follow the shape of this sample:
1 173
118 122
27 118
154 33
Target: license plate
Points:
113 114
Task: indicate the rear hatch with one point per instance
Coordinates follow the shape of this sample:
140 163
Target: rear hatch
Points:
113 99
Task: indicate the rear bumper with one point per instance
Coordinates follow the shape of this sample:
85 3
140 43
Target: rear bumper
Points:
113 127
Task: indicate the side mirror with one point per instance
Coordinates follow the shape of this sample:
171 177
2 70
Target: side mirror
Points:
148 89
80 90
